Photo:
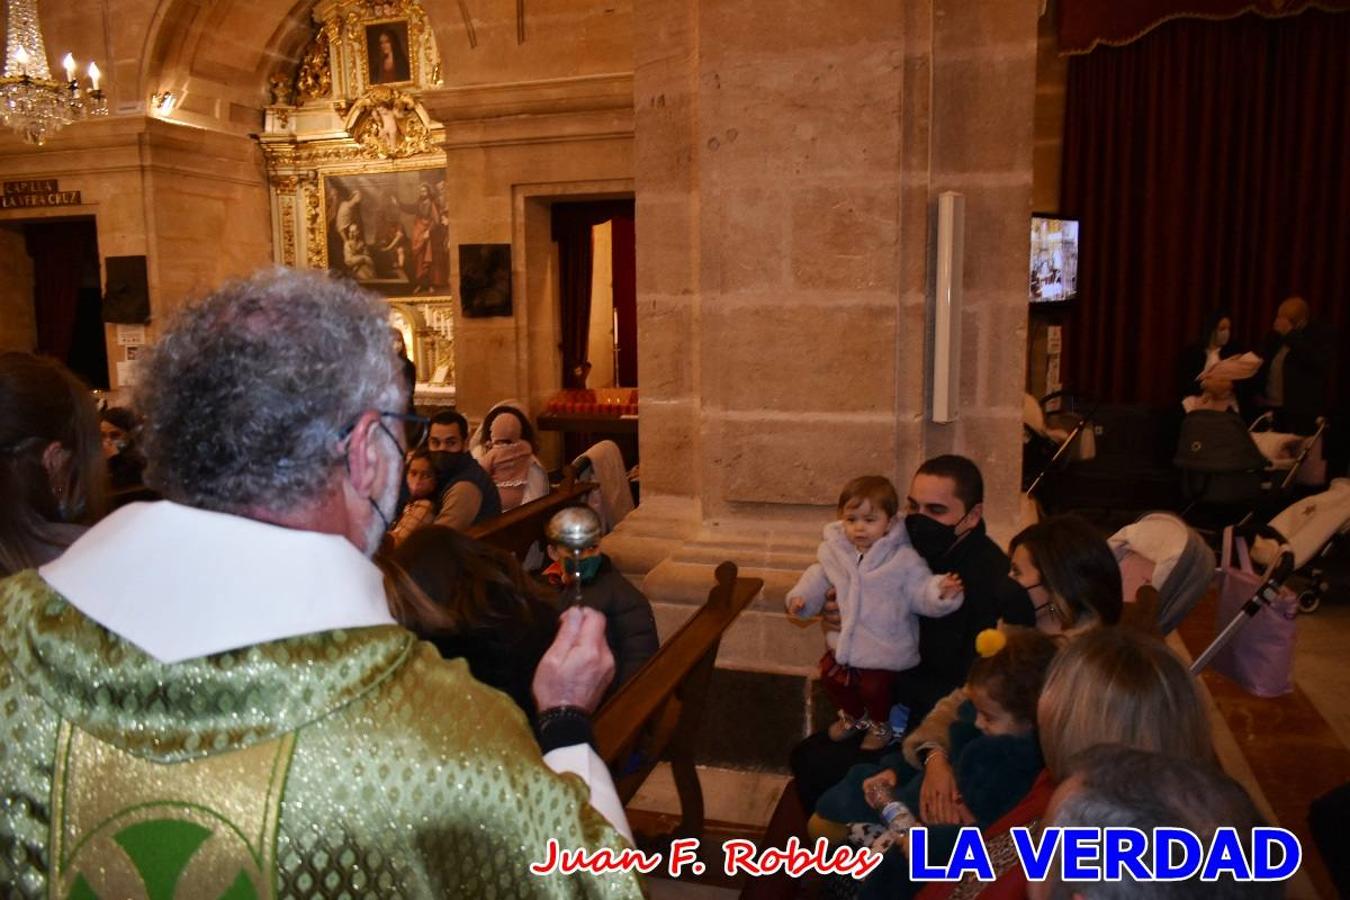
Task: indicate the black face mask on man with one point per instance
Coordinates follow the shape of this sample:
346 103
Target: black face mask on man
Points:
448 464
931 538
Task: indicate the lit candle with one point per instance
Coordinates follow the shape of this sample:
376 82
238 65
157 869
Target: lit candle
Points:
94 74
21 57
69 64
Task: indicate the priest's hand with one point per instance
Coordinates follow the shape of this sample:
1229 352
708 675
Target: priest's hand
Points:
578 666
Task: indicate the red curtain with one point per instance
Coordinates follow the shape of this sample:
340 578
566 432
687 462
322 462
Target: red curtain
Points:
1208 163
59 250
571 227
1083 24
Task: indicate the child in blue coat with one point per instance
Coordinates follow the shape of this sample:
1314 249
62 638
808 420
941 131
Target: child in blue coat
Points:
994 748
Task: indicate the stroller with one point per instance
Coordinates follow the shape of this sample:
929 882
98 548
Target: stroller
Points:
1161 551
1055 433
1317 530
1225 474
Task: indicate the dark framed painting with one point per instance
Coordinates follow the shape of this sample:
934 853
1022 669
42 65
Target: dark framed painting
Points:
389 232
484 280
387 53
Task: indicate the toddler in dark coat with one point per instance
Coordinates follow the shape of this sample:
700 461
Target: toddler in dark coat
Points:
995 751
630 626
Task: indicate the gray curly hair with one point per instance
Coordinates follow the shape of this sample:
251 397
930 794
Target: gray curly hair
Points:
246 394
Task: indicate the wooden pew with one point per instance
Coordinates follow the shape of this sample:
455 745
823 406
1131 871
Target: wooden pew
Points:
516 530
658 710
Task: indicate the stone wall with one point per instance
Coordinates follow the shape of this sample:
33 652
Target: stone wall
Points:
18 317
1052 77
510 152
191 201
788 167
786 161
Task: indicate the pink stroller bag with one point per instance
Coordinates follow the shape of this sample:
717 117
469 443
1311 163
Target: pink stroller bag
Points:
1260 657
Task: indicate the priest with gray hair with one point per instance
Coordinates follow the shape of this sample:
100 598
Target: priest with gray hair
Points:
209 692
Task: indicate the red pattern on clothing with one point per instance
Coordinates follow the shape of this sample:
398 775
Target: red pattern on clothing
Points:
1012 882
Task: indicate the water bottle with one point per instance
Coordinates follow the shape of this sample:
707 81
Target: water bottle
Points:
894 814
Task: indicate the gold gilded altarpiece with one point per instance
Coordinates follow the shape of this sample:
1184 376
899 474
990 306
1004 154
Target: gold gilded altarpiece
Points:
357 173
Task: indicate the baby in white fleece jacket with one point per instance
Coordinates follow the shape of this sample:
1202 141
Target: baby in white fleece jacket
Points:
882 586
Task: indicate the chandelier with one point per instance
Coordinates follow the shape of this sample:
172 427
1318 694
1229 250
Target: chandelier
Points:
31 101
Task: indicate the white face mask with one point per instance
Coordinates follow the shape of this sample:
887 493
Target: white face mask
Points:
383 510
1221 337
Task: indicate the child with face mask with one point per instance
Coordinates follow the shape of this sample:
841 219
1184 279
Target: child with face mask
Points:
882 586
508 458
1214 345
630 625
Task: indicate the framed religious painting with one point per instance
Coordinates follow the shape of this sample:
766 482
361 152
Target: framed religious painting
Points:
389 231
387 57
484 280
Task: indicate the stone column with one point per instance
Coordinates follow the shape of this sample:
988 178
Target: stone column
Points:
788 159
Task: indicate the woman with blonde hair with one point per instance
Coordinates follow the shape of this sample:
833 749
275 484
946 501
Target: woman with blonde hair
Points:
53 480
1117 686
1109 686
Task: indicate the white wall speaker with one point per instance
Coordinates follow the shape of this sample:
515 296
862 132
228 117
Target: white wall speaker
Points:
947 306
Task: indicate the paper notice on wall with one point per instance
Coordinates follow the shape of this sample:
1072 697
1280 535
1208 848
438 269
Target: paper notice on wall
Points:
1053 339
130 335
1052 382
126 373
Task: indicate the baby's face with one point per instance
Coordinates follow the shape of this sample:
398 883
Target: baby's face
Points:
864 524
991 718
421 479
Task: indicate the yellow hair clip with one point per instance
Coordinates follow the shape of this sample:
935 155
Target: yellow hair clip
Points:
989 642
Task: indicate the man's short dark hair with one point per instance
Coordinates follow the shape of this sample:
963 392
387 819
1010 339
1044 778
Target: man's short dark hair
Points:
452 417
965 475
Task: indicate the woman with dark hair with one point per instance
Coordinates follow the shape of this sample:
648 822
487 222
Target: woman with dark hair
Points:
1069 572
1214 343
526 429
524 477
1074 583
52 476
390 62
472 602
118 427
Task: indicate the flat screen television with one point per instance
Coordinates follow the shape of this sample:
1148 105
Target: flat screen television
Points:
1054 258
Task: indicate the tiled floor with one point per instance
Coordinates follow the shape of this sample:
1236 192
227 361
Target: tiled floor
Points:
1293 748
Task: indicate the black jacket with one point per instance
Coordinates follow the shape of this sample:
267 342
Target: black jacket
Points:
630 626
947 644
469 470
505 655
1307 370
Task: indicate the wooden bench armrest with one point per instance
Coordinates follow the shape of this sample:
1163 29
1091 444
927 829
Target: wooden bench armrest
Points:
658 710
517 529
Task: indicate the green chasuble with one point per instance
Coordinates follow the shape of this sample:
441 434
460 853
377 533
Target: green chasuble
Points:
343 764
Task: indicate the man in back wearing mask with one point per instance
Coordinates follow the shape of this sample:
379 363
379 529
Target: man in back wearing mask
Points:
944 515
468 495
1299 361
